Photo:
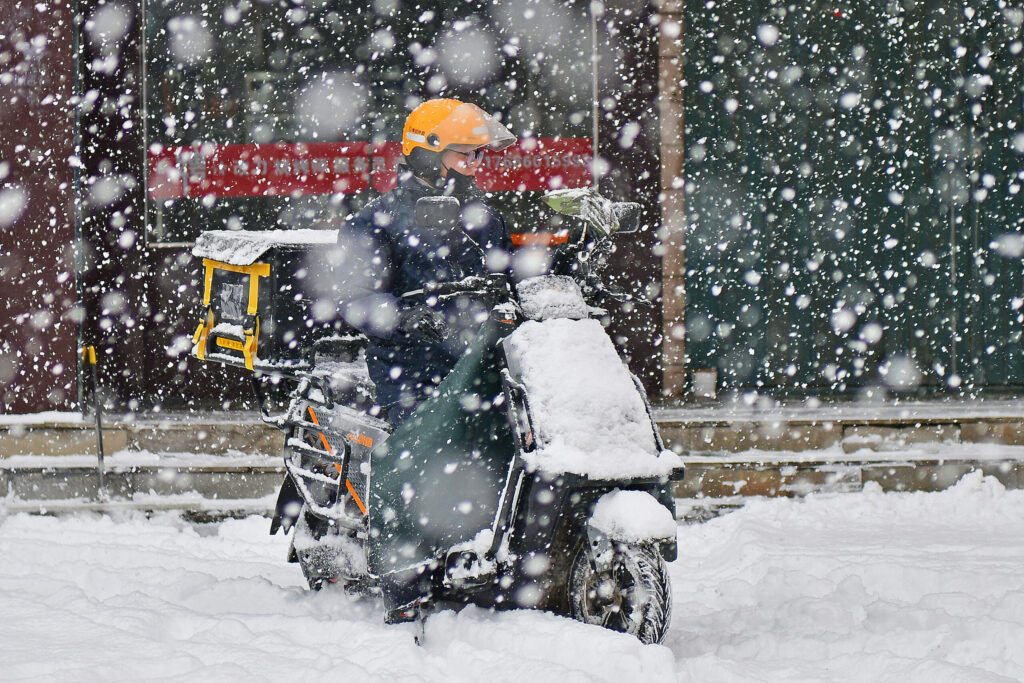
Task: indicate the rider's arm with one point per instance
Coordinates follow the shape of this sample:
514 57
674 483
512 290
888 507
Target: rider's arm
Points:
498 239
363 273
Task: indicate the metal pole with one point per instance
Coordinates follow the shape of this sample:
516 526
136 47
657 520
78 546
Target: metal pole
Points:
144 109
89 357
594 6
953 281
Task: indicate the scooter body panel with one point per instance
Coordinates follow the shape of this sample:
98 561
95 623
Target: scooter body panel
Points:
437 480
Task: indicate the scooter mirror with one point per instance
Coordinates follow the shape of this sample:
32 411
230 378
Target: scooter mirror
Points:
628 214
437 212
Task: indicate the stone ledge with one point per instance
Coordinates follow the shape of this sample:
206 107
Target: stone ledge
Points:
805 435
710 480
208 481
218 438
158 437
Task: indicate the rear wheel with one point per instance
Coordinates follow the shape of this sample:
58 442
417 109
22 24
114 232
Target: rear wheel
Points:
632 595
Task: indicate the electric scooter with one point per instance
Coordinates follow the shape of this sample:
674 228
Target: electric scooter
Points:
534 476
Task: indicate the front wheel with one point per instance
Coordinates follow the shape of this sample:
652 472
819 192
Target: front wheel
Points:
632 596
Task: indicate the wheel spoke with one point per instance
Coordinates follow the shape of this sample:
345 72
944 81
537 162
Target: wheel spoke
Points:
623 621
624 578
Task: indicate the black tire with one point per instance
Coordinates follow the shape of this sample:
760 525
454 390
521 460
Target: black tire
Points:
633 597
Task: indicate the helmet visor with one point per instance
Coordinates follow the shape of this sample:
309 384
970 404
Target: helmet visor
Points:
501 137
469 126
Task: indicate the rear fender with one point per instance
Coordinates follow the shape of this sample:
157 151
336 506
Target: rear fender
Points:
289 505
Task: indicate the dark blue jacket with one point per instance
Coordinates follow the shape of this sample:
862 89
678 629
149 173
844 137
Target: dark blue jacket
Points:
383 254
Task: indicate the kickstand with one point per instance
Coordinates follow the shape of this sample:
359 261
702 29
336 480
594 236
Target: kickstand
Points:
420 626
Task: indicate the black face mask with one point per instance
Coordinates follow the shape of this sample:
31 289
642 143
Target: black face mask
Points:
459 185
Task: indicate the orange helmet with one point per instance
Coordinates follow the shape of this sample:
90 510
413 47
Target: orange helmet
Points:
437 125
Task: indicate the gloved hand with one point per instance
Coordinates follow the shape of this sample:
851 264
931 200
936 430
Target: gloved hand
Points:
422 322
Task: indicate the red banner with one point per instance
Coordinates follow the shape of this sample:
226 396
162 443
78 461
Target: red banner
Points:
538 164
346 167
258 170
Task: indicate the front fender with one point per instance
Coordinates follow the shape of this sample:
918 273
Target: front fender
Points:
633 517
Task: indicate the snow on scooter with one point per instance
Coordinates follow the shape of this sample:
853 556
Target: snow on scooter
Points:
533 477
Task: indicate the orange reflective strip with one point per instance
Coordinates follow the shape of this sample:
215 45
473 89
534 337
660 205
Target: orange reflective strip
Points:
539 239
355 496
348 484
317 423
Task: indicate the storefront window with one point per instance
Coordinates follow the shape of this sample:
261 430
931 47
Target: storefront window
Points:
287 114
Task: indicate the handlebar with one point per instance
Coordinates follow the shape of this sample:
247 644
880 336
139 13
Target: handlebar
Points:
494 285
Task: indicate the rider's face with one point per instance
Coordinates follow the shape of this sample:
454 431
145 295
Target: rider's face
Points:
467 163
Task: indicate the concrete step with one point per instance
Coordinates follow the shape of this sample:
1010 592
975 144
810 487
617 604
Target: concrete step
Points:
194 509
728 450
734 426
728 427
185 481
70 434
134 476
765 473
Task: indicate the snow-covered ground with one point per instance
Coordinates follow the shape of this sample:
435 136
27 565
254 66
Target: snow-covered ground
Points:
866 586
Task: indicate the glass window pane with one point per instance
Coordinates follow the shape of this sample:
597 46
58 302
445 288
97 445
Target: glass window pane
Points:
265 114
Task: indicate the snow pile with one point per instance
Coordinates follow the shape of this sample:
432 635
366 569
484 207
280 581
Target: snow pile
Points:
127 460
632 516
244 247
588 416
46 416
551 296
864 587
345 376
92 598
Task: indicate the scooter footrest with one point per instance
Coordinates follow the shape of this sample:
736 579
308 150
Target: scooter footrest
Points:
468 570
313 451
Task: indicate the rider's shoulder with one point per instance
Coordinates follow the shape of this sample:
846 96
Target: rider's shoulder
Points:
388 216
390 203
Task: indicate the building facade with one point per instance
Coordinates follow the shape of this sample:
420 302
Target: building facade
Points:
178 117
831 190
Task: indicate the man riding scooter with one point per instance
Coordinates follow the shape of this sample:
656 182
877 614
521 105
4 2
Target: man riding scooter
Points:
386 253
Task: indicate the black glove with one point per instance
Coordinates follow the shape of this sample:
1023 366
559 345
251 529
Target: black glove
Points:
422 322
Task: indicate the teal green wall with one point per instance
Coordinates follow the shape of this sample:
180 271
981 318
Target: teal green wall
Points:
848 179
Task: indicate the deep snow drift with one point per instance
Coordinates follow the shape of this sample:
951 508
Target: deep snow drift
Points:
866 586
